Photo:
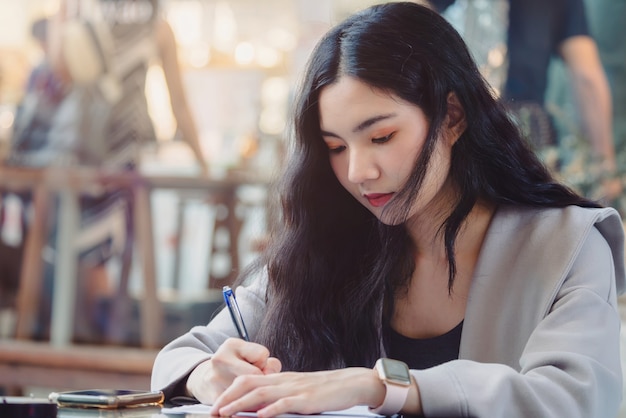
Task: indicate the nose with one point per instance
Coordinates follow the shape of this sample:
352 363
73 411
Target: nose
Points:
362 167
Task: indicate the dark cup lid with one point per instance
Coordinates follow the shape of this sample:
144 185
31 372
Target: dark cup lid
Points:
15 406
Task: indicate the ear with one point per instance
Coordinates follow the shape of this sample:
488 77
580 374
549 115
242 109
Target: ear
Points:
455 123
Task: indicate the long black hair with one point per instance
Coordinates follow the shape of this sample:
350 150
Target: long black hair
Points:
332 265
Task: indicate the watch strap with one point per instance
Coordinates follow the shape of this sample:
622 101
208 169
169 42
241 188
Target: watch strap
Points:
395 397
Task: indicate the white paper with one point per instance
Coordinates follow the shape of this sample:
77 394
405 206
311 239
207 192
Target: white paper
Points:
355 411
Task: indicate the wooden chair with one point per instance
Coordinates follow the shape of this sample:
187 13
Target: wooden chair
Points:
71 182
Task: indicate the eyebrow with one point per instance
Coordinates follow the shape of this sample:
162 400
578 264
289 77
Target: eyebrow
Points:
363 125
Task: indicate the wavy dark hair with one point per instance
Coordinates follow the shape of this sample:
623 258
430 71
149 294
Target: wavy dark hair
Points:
333 267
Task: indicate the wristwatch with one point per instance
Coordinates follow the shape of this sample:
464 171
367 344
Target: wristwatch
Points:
397 380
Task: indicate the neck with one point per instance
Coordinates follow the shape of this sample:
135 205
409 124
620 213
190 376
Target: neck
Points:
428 236
428 308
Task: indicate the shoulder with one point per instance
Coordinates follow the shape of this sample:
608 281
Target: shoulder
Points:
530 259
553 237
163 32
569 221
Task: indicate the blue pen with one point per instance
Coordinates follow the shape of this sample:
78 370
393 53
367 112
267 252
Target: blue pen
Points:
235 313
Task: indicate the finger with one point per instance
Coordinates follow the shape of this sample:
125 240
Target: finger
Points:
206 385
253 353
230 365
272 365
239 356
294 405
246 394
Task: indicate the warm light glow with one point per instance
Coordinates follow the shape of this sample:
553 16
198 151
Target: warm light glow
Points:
274 97
268 57
199 56
7 117
272 121
225 32
282 39
159 108
244 53
496 56
14 23
185 18
274 90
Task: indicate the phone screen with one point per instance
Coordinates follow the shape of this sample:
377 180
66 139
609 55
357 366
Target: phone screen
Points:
106 398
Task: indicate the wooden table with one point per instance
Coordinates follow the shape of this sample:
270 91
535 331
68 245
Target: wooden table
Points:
28 364
69 184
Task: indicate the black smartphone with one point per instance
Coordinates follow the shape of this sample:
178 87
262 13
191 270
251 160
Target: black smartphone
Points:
106 398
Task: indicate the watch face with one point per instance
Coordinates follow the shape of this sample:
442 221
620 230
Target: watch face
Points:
396 371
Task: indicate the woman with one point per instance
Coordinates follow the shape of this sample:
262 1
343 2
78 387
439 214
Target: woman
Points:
418 227
132 35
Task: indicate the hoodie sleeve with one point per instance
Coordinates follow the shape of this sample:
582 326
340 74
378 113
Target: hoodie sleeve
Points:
569 366
177 359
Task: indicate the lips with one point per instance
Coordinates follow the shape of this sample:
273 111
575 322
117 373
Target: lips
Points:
378 199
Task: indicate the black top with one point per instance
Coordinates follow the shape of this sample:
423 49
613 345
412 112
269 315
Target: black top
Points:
422 353
536 30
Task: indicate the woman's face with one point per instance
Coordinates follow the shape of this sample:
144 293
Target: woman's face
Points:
374 139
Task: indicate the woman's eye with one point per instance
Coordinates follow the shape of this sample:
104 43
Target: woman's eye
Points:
336 150
382 139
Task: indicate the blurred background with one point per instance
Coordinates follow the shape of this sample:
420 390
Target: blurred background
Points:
239 62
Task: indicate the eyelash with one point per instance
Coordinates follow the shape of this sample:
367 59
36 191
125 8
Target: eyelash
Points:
380 140
336 150
383 139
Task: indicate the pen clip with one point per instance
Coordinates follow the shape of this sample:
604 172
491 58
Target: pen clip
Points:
235 313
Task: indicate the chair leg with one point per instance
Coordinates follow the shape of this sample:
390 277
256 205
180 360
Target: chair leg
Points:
31 276
121 306
151 309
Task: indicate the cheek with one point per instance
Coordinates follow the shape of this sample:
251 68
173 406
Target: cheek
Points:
403 168
437 174
340 168
336 165
401 163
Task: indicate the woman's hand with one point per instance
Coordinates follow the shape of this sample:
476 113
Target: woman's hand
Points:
303 393
234 358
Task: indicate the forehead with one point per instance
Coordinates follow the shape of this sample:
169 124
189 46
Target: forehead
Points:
352 89
349 101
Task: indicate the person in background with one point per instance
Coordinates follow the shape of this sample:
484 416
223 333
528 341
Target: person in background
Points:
98 53
422 236
537 32
606 26
43 93
139 42
139 37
